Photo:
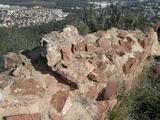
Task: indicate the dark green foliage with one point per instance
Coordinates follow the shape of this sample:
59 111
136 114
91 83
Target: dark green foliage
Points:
16 39
113 16
81 26
130 20
142 102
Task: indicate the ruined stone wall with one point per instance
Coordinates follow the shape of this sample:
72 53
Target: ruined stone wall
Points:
73 77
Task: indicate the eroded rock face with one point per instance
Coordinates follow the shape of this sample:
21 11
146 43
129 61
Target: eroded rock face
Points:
74 77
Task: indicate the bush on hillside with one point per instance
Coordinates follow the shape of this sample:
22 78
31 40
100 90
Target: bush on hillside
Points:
142 102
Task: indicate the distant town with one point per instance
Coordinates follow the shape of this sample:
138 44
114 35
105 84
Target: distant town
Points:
28 16
36 15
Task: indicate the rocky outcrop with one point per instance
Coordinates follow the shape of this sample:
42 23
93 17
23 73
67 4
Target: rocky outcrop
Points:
73 77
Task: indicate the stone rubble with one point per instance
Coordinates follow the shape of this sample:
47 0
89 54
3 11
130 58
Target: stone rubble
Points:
73 77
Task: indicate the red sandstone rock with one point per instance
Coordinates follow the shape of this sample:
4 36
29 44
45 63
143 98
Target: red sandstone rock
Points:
122 35
126 45
92 92
35 116
26 87
127 67
88 58
102 110
59 99
51 83
100 33
55 116
67 54
100 51
76 71
91 48
111 104
104 43
143 43
80 47
110 91
119 50
95 75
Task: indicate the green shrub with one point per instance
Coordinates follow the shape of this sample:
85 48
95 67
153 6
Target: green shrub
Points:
142 102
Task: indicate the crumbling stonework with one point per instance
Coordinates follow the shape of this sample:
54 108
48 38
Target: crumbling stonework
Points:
73 77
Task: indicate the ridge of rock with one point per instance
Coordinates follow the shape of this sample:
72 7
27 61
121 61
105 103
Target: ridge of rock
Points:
73 77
